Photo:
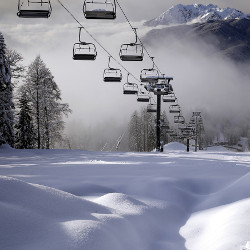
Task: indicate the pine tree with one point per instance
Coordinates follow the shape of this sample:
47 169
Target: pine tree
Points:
25 136
134 135
14 60
142 135
47 108
6 103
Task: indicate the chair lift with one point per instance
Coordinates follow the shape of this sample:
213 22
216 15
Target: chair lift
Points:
165 124
132 51
99 10
111 74
179 119
130 88
83 50
34 9
169 98
151 108
164 87
182 126
169 131
173 134
143 96
174 108
150 75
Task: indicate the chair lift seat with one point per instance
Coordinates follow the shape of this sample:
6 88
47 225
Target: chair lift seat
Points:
130 89
112 79
100 14
152 108
151 79
112 74
131 58
34 13
130 92
143 99
90 52
131 52
84 56
160 92
165 126
169 98
149 75
174 111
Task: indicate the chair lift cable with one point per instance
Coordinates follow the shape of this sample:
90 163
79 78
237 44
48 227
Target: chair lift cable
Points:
96 39
137 35
104 47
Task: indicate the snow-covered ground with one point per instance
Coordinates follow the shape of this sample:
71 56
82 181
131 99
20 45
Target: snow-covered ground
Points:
62 199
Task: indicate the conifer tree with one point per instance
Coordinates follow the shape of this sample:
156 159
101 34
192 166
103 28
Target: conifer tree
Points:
14 59
47 108
6 103
25 136
142 131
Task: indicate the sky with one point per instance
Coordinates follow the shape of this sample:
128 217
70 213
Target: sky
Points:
92 100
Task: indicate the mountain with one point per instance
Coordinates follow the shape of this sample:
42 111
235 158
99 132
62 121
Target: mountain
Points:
181 14
230 37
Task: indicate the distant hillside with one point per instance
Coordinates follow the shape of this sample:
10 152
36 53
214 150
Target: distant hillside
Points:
231 37
181 14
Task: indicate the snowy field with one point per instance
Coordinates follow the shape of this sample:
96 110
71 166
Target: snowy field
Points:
62 199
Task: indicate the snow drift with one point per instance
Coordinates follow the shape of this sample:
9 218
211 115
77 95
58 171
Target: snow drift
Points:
62 199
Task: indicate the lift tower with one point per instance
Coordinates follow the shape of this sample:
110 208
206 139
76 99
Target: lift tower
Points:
161 88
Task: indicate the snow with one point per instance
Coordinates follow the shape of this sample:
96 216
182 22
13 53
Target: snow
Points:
73 199
175 146
181 14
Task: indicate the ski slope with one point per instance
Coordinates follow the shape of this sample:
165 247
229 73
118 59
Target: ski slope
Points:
72 199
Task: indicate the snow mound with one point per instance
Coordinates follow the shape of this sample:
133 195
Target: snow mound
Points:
34 216
87 189
217 149
121 202
247 246
175 146
211 228
237 190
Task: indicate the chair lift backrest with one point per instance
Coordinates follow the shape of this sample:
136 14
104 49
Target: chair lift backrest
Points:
83 46
136 50
99 13
112 74
174 108
146 77
130 88
39 12
169 98
142 96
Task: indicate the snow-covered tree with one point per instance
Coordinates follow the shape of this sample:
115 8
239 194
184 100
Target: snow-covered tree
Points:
134 133
6 103
142 134
14 60
47 108
25 137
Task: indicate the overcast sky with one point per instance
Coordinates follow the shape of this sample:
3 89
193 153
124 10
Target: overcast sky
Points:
135 9
81 83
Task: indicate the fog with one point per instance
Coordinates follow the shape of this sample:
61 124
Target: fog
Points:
206 81
203 81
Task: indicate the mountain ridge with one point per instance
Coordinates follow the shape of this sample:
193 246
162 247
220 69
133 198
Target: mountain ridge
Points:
196 13
230 37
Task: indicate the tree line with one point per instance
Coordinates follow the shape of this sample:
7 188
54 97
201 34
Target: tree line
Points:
31 108
142 131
